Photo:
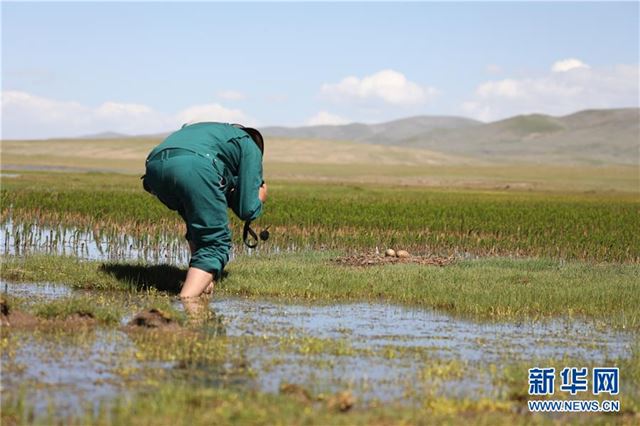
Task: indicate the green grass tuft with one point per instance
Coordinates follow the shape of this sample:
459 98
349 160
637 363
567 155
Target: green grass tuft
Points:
83 307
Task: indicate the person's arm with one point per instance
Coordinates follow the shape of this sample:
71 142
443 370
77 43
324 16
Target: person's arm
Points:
247 203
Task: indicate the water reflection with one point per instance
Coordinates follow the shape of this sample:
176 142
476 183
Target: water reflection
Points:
20 239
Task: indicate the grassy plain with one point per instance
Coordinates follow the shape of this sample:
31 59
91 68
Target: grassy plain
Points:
332 161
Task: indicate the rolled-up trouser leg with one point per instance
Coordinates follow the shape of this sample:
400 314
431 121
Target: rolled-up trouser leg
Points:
190 185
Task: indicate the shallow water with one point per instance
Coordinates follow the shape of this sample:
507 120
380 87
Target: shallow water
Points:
376 324
271 336
64 373
35 291
23 239
376 327
19 239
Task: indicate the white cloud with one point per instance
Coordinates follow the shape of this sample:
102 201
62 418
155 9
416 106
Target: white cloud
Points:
326 118
28 116
231 95
569 87
568 65
388 86
212 112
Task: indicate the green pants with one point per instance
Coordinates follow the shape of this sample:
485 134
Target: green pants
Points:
189 183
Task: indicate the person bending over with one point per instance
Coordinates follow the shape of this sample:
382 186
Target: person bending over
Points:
199 171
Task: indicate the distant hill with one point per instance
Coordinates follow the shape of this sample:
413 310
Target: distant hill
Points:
593 137
596 137
383 133
586 137
105 135
523 152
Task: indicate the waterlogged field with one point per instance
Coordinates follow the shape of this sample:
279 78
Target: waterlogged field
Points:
591 226
316 326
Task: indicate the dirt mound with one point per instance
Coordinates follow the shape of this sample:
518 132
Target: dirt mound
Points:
83 319
153 319
372 259
11 318
295 391
342 401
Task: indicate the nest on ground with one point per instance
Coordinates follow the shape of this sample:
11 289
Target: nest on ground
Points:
373 259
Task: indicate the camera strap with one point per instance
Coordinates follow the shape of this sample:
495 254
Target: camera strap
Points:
248 232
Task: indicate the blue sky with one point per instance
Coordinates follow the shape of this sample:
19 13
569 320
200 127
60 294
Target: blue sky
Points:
78 68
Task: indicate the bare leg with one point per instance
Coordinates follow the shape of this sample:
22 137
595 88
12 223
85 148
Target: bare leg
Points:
196 283
209 288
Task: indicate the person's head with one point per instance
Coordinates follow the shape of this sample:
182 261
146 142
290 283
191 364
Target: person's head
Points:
255 135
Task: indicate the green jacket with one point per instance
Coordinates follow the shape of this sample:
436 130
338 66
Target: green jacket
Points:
233 154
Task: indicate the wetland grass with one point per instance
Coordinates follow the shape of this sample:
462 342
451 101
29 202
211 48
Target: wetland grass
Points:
99 309
78 308
193 376
188 405
179 404
493 289
599 227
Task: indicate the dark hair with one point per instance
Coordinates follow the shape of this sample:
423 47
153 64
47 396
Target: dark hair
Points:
255 135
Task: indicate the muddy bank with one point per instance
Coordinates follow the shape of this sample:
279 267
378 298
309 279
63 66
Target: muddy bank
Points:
16 319
12 318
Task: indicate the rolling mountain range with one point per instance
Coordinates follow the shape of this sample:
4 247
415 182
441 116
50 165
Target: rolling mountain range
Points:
595 137
388 133
586 137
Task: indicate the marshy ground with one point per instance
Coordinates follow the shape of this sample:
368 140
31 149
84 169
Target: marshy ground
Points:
317 326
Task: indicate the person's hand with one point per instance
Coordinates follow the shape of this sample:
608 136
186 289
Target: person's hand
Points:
262 192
